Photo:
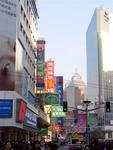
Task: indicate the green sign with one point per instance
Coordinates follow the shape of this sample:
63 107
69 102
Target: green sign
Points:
93 119
43 132
51 99
58 114
57 109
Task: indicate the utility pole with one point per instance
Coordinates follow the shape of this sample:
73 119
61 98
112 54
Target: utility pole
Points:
86 102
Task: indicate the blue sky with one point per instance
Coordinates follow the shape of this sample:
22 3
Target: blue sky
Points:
63 24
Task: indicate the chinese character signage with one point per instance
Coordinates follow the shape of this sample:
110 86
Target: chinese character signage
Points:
59 87
93 119
50 85
58 114
6 108
57 108
30 118
40 74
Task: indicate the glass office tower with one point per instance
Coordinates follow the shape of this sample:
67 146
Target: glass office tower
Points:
99 41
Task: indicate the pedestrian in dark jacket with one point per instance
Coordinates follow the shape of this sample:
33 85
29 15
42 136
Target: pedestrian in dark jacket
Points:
36 145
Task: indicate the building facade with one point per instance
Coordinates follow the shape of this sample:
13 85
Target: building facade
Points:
18 35
100 65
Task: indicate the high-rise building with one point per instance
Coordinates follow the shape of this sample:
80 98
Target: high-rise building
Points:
18 35
100 65
75 91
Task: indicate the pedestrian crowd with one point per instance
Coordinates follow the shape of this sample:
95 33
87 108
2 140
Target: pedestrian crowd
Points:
24 145
101 145
42 145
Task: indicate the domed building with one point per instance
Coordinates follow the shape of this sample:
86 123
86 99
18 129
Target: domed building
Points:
75 91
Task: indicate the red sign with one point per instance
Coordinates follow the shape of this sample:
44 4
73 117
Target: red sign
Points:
50 83
21 110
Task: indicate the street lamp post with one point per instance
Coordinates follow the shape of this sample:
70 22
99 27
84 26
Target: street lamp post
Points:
87 102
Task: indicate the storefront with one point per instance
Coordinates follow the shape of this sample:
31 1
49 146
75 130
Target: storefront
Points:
18 120
31 124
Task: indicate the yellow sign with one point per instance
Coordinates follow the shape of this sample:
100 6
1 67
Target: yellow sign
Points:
77 136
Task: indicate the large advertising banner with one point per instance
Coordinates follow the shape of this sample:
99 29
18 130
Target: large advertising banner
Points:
50 81
81 122
59 87
40 83
7 43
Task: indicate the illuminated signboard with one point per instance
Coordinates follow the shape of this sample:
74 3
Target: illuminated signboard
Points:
50 85
6 108
51 99
57 108
20 110
40 74
58 114
59 87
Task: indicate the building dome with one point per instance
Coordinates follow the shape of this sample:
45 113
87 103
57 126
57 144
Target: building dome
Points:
77 81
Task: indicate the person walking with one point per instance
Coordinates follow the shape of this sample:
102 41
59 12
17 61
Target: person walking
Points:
36 146
8 146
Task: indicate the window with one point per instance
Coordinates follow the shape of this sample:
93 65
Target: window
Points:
24 32
21 27
21 9
24 16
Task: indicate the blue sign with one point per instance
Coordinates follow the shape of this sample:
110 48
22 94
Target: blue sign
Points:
30 119
59 121
59 87
6 107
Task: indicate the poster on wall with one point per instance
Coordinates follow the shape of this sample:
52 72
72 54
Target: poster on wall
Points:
7 43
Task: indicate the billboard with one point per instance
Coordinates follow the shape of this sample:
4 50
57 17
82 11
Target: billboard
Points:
6 108
7 43
50 83
59 87
81 122
40 75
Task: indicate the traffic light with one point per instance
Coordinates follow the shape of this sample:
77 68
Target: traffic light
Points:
65 106
107 106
